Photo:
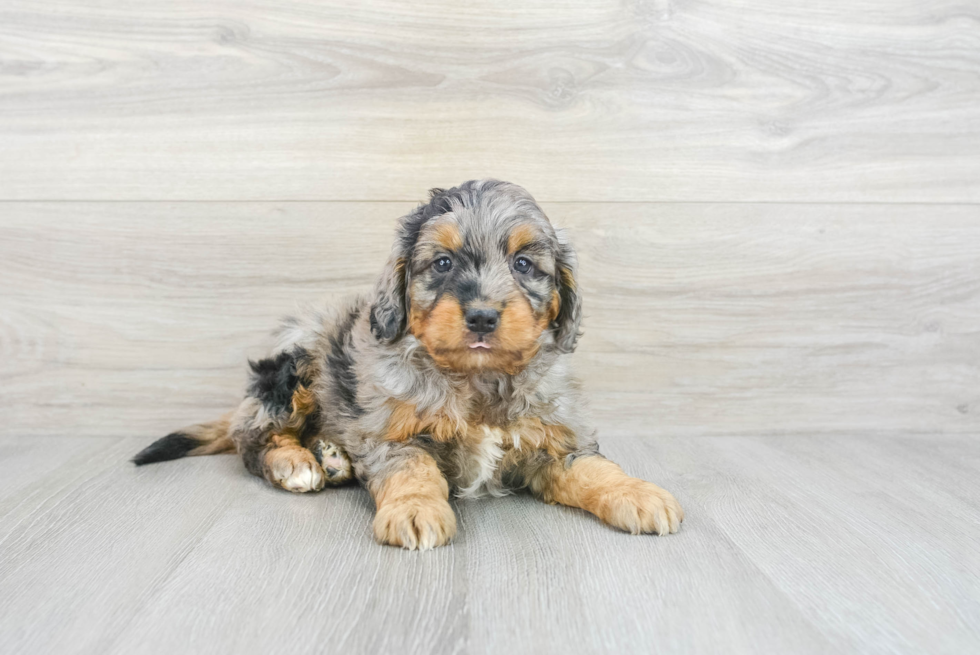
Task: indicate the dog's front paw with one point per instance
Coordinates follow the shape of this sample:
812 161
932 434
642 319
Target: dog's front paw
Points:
294 469
640 507
334 461
415 522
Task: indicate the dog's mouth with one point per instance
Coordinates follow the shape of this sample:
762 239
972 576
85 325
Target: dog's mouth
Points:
480 343
478 352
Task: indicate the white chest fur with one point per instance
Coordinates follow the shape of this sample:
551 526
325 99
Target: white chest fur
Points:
482 455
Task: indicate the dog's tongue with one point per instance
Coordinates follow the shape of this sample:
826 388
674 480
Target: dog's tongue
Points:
480 344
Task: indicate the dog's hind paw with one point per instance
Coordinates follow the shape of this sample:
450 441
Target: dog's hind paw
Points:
334 461
294 469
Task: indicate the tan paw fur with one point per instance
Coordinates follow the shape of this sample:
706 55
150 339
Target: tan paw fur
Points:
640 507
415 522
294 468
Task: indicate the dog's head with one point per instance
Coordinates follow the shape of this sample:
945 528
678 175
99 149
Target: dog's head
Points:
481 278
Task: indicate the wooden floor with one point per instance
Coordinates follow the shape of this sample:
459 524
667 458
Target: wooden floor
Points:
776 205
792 545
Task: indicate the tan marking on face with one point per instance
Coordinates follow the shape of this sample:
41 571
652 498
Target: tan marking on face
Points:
405 423
447 235
554 306
516 338
520 236
442 331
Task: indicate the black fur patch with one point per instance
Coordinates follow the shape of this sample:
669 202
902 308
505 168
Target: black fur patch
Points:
392 326
535 296
441 451
172 446
513 478
311 426
519 477
437 282
254 451
474 256
274 380
439 204
467 290
340 364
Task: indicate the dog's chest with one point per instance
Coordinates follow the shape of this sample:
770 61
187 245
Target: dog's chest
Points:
480 450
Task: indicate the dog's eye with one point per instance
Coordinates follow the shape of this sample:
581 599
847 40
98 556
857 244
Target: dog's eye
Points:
522 264
442 264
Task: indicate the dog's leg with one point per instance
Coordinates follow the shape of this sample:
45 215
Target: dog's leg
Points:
270 449
282 460
595 484
412 499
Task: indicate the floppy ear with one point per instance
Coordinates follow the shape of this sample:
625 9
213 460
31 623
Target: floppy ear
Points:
569 319
391 301
390 306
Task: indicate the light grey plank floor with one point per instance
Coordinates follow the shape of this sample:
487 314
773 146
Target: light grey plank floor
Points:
856 544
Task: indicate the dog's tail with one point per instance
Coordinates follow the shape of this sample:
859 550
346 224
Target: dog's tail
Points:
201 439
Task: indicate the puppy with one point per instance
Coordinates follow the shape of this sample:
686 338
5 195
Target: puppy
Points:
452 376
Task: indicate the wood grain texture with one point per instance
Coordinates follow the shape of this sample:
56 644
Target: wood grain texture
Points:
844 544
777 211
873 100
136 318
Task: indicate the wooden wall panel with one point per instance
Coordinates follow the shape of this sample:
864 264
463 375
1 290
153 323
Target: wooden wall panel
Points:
587 100
134 318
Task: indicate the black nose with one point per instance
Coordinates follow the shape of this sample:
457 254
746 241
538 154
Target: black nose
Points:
482 321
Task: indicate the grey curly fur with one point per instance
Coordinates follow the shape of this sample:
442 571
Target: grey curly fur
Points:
452 376
358 357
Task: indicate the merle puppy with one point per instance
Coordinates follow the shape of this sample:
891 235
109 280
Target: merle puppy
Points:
452 375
